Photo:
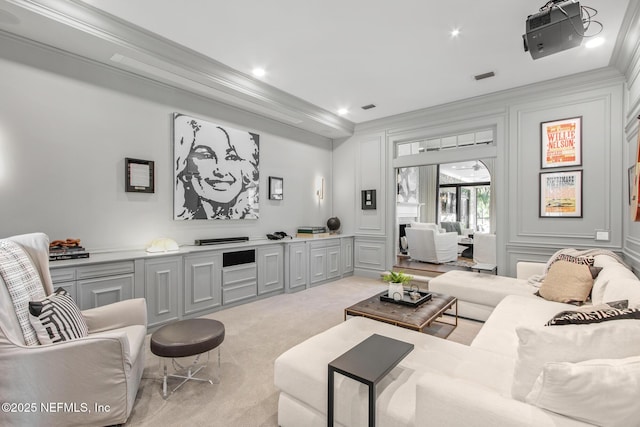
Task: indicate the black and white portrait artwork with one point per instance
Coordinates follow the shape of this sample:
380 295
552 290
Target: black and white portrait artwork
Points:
216 171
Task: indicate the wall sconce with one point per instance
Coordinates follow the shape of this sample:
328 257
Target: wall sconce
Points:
320 188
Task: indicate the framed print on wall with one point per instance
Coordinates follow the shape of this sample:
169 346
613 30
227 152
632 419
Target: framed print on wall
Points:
276 188
139 176
561 194
216 171
561 142
368 199
632 177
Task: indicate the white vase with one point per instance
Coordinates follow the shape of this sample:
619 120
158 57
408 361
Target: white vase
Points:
396 290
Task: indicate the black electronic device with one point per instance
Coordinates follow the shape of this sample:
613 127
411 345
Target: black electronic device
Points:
557 27
238 257
278 235
202 242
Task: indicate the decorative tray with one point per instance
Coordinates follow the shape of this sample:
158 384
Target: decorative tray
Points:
406 298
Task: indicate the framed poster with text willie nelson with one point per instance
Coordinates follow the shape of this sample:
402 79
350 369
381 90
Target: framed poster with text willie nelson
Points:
561 143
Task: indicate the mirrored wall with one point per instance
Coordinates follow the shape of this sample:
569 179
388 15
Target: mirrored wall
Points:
446 193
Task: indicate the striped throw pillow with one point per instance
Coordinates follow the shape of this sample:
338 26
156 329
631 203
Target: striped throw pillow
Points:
57 318
595 316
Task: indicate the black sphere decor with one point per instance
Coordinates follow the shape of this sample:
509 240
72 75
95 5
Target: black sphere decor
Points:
333 224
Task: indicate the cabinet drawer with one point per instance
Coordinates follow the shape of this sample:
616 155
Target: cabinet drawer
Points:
97 292
107 269
232 276
239 292
59 275
324 243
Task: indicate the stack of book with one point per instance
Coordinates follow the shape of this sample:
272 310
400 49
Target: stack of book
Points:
66 249
312 232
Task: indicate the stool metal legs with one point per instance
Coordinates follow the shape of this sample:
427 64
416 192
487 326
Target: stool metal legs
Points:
188 370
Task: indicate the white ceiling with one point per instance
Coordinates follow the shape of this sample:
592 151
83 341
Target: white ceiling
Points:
397 55
320 55
474 171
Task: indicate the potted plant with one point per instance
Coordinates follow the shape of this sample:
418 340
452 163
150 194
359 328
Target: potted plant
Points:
396 280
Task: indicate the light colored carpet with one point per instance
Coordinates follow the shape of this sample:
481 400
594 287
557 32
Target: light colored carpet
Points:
256 334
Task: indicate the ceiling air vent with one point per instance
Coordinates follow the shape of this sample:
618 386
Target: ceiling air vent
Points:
368 107
484 76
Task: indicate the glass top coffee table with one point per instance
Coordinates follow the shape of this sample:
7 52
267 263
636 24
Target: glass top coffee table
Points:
426 318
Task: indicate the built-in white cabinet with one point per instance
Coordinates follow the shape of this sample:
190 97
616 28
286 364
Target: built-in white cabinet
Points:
192 283
346 244
270 269
296 266
202 282
162 288
239 283
239 276
96 285
65 278
325 262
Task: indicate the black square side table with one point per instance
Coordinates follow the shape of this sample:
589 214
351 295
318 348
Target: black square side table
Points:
367 362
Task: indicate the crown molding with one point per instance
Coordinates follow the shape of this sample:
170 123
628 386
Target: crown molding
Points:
626 50
88 31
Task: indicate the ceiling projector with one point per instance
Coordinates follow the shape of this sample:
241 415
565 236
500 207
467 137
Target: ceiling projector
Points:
557 27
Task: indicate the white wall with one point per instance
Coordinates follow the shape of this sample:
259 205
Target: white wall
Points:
66 126
515 115
628 60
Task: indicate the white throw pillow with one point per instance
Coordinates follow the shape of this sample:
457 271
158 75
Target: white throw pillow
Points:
570 343
602 391
621 289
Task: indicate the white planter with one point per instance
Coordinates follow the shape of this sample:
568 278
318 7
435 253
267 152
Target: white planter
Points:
396 290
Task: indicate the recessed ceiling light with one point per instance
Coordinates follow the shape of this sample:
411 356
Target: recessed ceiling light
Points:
598 41
455 32
258 72
343 111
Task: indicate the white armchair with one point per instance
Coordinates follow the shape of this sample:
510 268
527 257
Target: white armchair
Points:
427 244
103 368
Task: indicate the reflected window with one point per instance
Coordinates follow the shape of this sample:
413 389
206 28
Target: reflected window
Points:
465 195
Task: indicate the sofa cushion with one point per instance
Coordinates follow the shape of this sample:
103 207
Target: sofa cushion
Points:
571 343
498 334
479 288
568 282
301 371
57 318
602 391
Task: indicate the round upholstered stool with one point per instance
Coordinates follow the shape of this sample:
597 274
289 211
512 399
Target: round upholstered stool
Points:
184 338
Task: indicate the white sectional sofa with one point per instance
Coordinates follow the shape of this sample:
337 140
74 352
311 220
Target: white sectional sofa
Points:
517 371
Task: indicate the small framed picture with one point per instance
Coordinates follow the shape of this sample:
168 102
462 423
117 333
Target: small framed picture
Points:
561 194
276 188
139 176
368 199
632 178
561 143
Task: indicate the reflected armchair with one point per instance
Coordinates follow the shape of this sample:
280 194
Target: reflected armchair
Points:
427 244
103 368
